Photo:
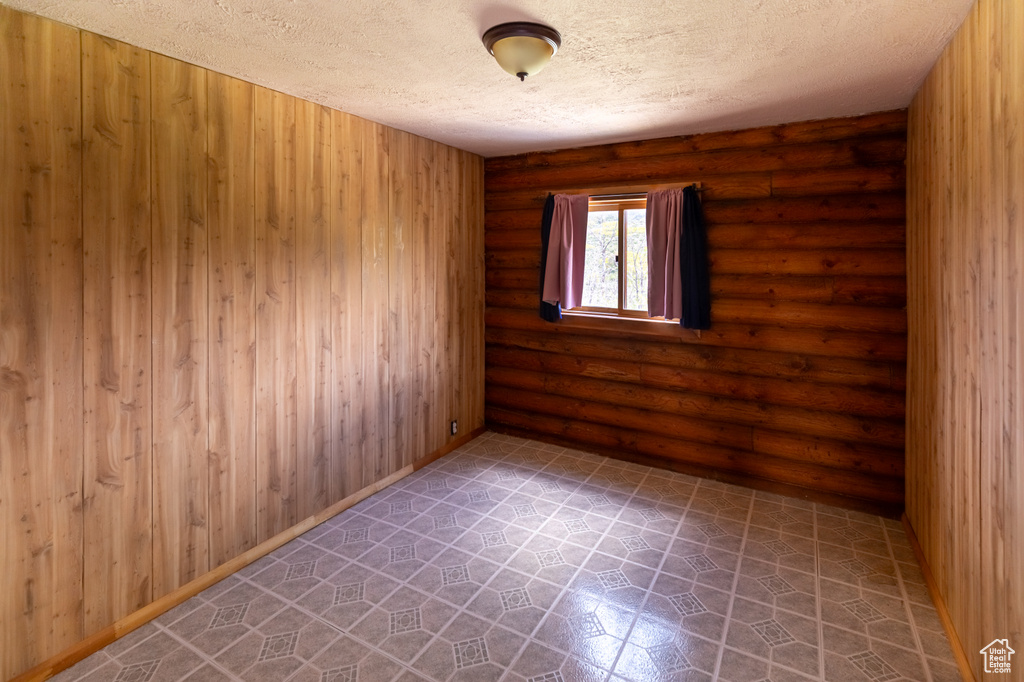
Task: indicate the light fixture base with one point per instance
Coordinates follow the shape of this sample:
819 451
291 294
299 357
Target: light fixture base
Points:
522 48
526 29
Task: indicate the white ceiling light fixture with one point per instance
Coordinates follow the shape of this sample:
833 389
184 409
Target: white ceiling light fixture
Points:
522 48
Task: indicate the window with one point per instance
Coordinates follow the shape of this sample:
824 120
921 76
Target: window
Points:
615 271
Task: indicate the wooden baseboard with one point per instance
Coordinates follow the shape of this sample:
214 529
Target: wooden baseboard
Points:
111 633
959 653
441 452
867 506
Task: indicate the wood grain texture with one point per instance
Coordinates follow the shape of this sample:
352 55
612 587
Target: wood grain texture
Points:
436 218
375 220
423 333
465 263
359 251
349 446
401 312
180 334
475 323
435 334
117 231
314 358
802 132
276 428
659 165
803 367
196 338
41 328
232 316
965 427
959 653
419 292
448 273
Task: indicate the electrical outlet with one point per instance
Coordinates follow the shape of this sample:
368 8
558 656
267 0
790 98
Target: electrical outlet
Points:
455 426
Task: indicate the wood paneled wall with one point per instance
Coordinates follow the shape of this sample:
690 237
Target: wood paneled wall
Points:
222 309
965 378
799 384
42 453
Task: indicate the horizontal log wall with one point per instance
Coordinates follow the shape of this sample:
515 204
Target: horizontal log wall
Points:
800 383
222 310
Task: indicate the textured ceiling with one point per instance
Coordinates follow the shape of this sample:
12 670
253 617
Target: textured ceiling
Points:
627 69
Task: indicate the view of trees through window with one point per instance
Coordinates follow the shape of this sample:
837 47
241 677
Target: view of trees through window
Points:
636 259
601 274
616 262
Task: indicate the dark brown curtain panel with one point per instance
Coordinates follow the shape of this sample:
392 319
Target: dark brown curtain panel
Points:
550 312
693 257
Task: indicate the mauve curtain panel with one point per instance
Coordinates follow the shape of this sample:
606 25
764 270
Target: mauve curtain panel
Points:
693 256
567 250
665 286
677 256
550 312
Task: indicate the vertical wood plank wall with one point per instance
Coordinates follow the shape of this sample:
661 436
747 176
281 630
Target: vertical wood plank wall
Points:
117 229
231 215
276 465
42 358
965 376
180 338
800 380
222 309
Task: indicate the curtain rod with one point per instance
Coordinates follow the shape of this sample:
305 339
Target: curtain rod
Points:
627 195
620 190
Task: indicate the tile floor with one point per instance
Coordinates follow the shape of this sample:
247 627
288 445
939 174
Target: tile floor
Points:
515 560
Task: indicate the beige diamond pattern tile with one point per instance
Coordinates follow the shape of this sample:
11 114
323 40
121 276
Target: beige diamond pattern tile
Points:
510 560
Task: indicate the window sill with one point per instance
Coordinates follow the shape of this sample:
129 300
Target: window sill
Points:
597 314
588 320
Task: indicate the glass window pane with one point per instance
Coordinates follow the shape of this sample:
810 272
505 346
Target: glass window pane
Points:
636 259
600 274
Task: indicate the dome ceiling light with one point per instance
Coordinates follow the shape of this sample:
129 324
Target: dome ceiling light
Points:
522 48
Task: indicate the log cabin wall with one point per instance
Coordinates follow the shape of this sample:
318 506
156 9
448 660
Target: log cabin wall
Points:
799 383
222 309
965 378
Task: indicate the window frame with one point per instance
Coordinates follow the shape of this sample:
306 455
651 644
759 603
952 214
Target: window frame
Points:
636 191
619 203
